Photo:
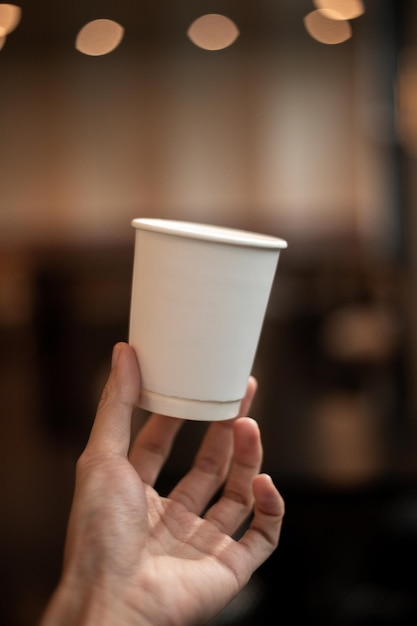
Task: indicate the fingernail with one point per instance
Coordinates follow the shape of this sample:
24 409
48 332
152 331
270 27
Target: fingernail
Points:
115 354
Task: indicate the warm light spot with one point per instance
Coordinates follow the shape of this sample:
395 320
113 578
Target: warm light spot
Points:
10 15
213 32
2 41
347 9
324 26
99 37
359 333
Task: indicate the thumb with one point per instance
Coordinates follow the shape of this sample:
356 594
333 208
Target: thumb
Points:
112 425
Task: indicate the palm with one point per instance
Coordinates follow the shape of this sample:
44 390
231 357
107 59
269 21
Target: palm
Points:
186 563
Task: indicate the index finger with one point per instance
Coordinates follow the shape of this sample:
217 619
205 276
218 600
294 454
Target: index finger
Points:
112 425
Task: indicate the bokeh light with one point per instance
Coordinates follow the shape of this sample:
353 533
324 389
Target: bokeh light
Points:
326 26
99 37
213 32
10 15
346 9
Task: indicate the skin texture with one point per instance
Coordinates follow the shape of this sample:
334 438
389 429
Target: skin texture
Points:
133 557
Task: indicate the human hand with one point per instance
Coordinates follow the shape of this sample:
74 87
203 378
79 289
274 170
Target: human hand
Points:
133 557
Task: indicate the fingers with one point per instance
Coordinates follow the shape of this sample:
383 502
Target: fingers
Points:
262 537
154 442
237 499
209 469
212 461
112 425
152 446
246 403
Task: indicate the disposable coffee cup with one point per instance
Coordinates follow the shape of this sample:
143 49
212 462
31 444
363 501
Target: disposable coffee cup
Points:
198 302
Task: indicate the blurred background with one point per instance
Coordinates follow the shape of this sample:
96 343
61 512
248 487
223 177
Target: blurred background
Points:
304 127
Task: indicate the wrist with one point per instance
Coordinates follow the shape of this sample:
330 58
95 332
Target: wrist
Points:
80 606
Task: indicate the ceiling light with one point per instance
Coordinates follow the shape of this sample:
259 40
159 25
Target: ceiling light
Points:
326 26
99 37
347 9
10 15
213 32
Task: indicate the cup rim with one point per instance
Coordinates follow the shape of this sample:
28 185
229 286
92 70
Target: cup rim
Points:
209 232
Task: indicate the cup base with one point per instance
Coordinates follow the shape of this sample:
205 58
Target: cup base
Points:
188 409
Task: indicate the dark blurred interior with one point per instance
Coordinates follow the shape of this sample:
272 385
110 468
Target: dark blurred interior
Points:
278 133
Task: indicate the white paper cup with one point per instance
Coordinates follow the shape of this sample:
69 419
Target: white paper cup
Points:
199 297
